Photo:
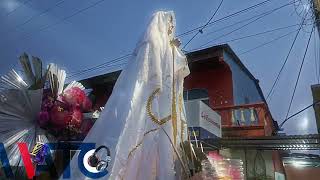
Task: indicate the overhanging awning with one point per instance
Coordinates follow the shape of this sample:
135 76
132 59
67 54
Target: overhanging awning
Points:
288 142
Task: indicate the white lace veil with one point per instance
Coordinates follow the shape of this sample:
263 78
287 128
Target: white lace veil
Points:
124 120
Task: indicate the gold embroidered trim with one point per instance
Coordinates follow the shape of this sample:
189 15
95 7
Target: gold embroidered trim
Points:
182 122
174 104
149 109
139 144
180 103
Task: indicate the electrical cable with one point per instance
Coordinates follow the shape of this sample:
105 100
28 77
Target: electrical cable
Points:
109 66
226 17
266 43
300 111
245 25
201 29
64 19
19 6
315 56
80 72
253 35
318 59
283 65
86 70
297 80
286 60
103 65
81 10
256 34
180 35
125 56
36 15
238 22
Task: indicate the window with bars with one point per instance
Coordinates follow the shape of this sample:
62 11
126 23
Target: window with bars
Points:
196 94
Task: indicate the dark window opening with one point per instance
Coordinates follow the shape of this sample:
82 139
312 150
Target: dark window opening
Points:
199 93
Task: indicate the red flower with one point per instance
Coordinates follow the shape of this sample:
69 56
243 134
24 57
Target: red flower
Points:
76 118
87 104
74 96
59 117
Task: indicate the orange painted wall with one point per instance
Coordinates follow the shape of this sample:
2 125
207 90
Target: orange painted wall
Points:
296 173
218 82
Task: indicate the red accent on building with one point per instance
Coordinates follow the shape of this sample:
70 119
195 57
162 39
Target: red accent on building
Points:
210 71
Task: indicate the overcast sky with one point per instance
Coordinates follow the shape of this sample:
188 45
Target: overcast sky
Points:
111 29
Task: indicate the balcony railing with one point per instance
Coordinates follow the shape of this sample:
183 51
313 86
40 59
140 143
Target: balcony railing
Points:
254 117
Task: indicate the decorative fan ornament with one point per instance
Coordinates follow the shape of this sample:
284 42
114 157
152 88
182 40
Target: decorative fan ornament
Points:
20 103
18 121
36 109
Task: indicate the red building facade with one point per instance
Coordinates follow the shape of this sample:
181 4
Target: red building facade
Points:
232 91
218 78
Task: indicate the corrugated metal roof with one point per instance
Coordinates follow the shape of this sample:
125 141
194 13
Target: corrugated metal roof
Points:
287 142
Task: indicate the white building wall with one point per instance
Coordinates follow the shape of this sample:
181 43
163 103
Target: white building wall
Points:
244 88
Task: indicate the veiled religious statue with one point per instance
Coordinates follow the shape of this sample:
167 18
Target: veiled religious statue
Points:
143 122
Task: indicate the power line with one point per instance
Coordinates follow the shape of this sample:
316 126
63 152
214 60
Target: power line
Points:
238 22
108 66
120 58
221 18
241 27
259 4
266 43
20 5
297 80
318 59
103 65
95 70
65 18
315 56
81 10
286 60
226 17
190 31
80 72
201 30
128 55
300 111
36 15
258 34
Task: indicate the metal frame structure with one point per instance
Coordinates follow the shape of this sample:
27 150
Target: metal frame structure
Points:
286 142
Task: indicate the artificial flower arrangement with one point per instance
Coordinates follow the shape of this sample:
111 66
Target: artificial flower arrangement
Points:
38 108
63 115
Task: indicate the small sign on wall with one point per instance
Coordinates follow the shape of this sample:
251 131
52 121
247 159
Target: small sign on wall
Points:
202 119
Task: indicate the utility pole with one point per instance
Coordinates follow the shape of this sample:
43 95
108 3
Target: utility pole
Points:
316 88
316 11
